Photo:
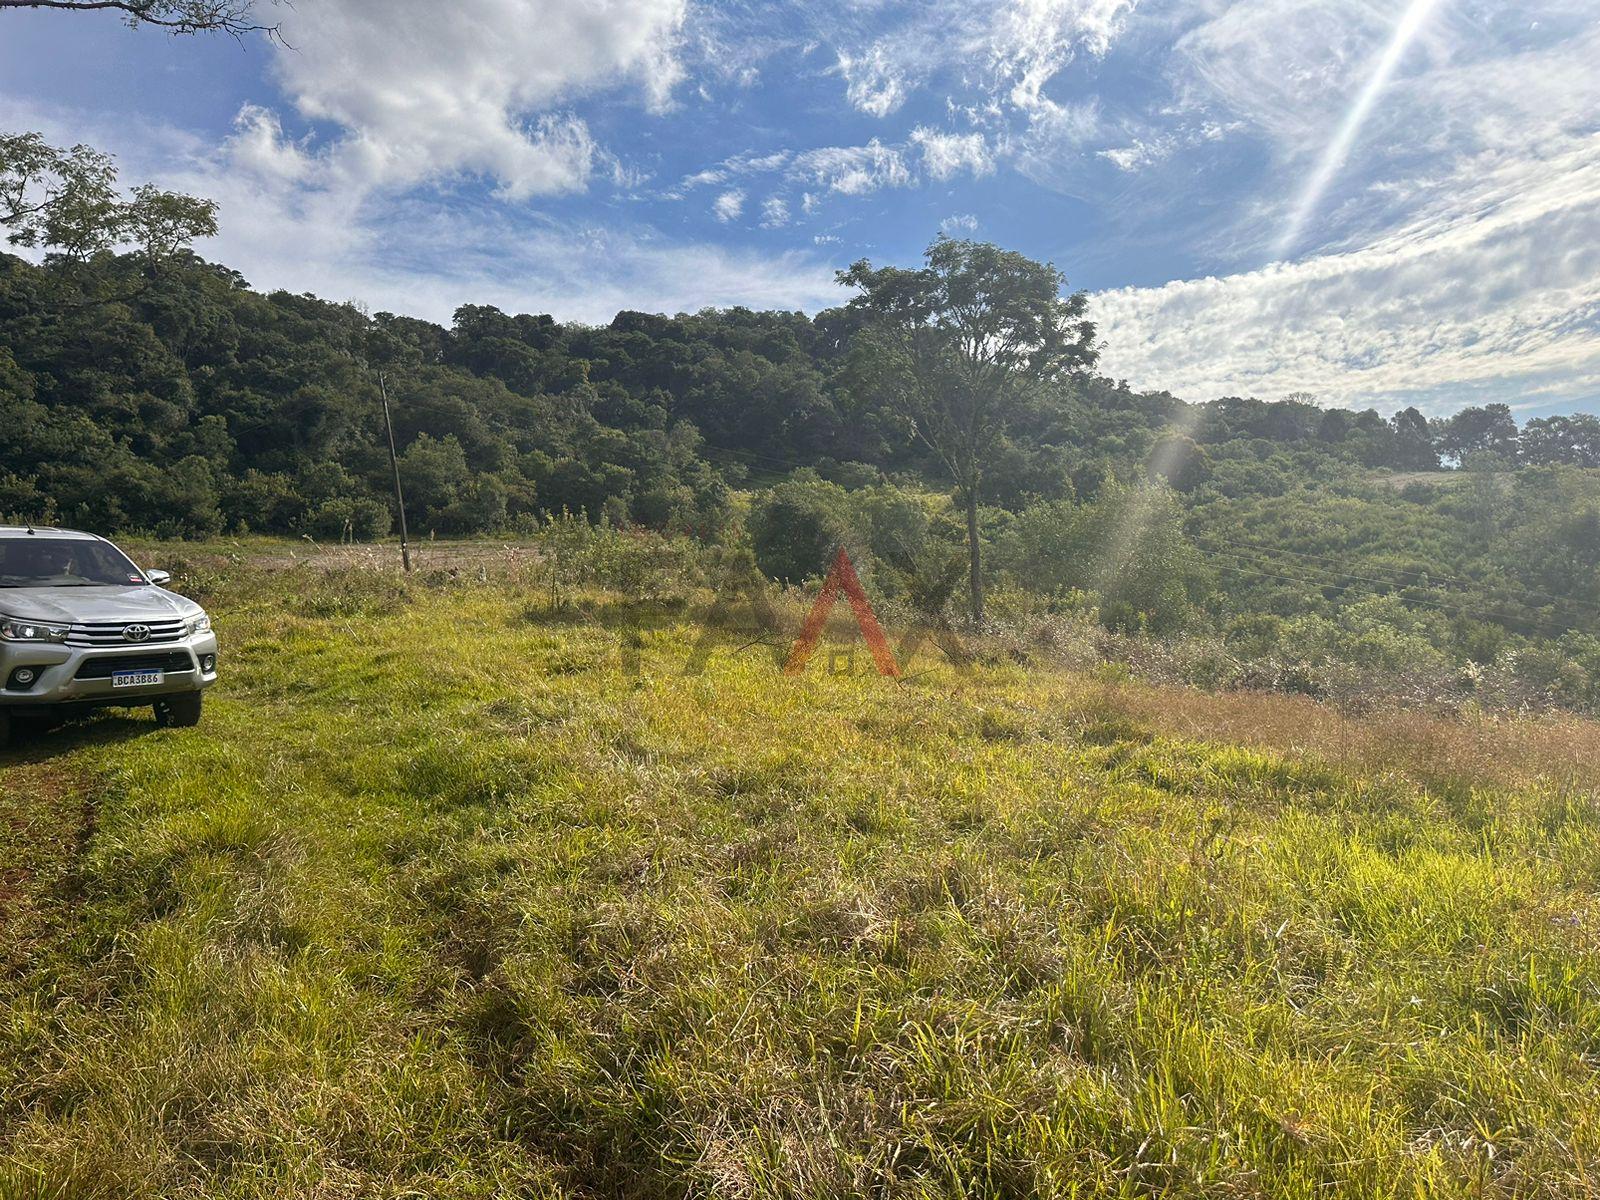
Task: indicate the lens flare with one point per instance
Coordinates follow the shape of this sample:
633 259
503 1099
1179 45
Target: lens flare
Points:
1333 158
1121 542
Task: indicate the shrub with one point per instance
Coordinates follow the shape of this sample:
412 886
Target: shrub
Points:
356 518
797 526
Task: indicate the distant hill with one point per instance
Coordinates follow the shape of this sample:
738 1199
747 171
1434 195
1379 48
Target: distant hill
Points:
192 405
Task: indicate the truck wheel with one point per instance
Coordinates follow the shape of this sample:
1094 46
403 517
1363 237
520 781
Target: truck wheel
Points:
178 711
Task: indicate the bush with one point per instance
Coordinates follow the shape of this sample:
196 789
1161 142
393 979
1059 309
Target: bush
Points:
1127 547
354 518
798 526
264 501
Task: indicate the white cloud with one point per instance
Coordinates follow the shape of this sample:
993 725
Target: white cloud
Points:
1492 289
959 223
1288 72
853 170
297 222
1291 67
946 154
259 146
1152 148
711 175
739 164
1139 154
766 162
1029 41
1010 49
1055 140
873 83
423 94
1455 257
728 205
842 170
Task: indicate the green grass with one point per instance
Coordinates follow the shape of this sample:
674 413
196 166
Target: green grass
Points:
439 902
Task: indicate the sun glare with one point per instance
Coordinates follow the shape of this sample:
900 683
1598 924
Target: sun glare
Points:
1333 158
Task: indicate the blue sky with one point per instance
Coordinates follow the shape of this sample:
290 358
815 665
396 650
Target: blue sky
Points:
1377 203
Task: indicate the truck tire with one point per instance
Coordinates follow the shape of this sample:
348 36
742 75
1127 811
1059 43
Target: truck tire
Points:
179 712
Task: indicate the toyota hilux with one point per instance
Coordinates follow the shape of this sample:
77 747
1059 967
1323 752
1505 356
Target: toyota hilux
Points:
82 627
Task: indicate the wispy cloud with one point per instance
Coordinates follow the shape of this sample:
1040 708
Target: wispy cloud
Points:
1018 46
728 205
947 154
1463 301
853 169
874 82
847 170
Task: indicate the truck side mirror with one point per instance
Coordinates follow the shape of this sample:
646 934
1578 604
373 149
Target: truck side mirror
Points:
159 578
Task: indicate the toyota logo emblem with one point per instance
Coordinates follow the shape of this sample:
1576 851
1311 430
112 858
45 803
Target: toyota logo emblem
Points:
136 633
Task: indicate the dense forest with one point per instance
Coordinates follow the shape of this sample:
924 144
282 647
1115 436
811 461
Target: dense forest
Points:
183 403
199 406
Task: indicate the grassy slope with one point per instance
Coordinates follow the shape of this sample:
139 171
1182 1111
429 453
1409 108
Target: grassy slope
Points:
438 902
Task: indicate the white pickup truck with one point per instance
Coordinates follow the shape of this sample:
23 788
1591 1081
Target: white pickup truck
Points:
82 627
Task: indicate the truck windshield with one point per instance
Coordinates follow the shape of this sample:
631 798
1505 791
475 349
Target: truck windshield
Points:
39 562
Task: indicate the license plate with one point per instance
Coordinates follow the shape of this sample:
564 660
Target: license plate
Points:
122 679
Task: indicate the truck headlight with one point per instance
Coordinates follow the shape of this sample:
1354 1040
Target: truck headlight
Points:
194 625
13 629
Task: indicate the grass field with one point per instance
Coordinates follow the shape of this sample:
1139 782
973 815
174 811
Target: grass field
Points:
439 901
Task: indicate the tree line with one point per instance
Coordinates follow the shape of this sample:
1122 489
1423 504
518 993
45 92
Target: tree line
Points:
187 403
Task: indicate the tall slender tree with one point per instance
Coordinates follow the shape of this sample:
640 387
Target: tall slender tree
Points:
959 350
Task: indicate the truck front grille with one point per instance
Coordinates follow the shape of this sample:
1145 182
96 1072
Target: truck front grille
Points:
115 633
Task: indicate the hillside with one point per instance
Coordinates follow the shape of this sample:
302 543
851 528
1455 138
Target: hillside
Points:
1309 549
442 902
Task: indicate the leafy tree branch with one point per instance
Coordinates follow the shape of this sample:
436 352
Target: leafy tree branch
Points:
177 16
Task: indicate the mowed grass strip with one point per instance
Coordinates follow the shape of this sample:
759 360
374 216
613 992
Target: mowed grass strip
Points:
440 902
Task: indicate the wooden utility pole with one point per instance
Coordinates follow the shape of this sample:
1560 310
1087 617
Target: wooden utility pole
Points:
394 465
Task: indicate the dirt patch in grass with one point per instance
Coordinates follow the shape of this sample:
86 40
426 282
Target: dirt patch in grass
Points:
46 820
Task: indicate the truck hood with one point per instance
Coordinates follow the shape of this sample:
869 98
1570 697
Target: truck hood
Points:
69 605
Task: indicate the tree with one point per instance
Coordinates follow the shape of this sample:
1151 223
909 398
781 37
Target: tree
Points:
67 204
1413 442
177 16
1127 549
959 350
1490 429
1334 426
1180 462
1574 439
798 526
